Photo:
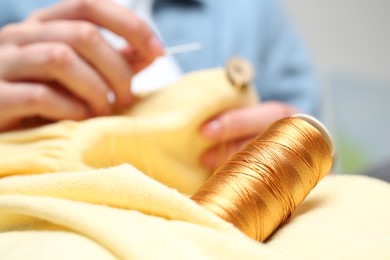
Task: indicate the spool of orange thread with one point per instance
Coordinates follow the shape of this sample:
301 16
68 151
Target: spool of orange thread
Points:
260 186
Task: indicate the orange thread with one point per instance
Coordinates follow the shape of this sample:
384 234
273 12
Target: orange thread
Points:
259 187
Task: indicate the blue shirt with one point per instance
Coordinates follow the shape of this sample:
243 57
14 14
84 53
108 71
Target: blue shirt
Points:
254 29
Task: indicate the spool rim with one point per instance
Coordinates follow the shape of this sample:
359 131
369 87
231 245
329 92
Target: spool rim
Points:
320 127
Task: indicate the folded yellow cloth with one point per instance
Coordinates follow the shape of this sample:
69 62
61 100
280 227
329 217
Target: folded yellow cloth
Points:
159 135
122 213
117 212
63 197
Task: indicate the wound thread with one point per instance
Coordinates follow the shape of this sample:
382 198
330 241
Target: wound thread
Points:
260 186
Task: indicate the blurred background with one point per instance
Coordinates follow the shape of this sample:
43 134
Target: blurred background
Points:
349 41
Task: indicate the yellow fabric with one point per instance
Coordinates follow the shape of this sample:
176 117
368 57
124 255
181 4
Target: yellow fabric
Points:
122 213
60 199
129 215
344 217
159 135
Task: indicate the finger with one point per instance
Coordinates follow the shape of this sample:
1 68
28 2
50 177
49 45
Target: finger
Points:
137 63
58 62
221 152
85 38
109 15
21 100
247 121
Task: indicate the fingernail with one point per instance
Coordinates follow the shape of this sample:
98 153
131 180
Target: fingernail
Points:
156 46
212 130
111 97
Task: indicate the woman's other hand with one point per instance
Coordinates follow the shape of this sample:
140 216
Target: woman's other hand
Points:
234 128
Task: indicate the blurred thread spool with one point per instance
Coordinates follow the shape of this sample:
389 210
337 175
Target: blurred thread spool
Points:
260 186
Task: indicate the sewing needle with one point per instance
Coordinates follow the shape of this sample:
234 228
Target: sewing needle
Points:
195 46
171 50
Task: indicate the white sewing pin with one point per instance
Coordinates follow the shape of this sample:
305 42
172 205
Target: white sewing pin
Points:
195 46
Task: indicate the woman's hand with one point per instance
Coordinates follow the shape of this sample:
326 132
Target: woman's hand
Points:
234 128
56 65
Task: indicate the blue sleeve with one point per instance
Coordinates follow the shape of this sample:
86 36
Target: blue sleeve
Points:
287 73
257 30
18 10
